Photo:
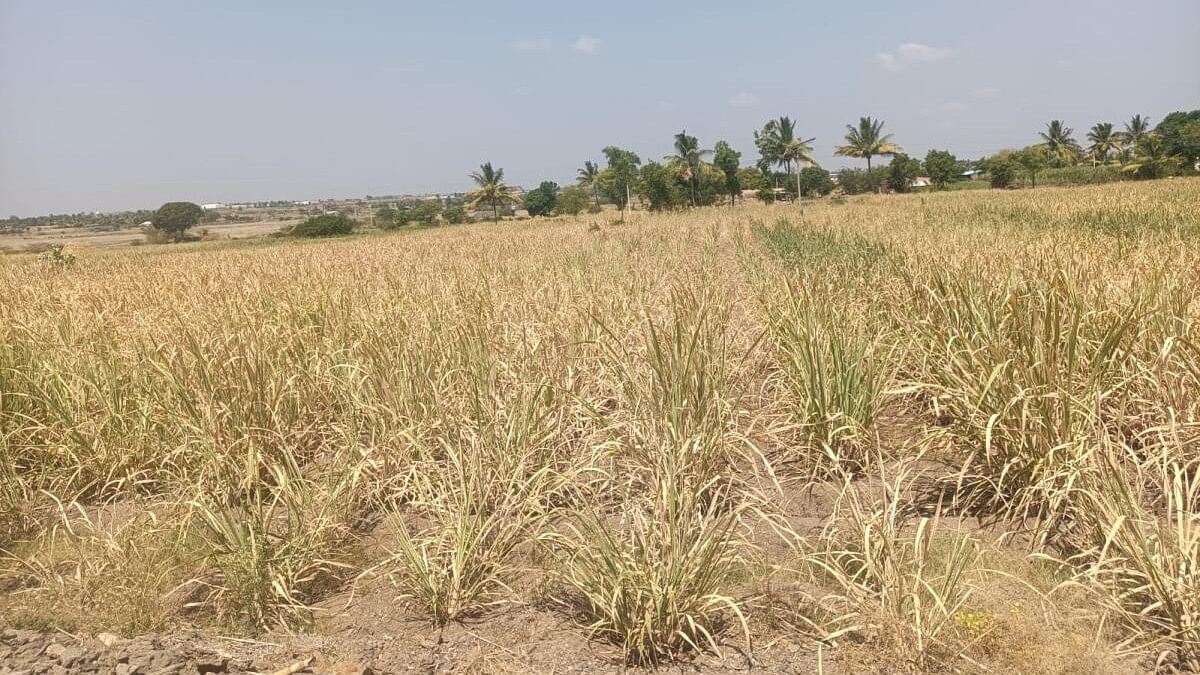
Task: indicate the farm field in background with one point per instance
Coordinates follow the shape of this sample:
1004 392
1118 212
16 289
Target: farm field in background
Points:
953 431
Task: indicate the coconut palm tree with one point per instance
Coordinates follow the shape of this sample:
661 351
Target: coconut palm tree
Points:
1135 129
492 189
866 141
1060 141
797 153
688 156
587 178
1104 141
777 143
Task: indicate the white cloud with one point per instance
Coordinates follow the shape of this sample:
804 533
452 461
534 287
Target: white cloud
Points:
743 99
986 93
918 53
533 45
586 44
911 53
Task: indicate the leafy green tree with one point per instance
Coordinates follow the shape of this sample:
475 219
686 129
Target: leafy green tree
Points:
1180 131
942 167
175 218
710 185
541 200
1152 158
1060 142
1001 169
727 159
813 180
867 140
657 184
1032 160
492 190
769 143
1104 142
751 178
616 182
902 172
587 177
574 200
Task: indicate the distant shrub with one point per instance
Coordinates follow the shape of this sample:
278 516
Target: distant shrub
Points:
424 212
455 215
385 217
858 181
573 200
1080 175
154 235
55 257
323 226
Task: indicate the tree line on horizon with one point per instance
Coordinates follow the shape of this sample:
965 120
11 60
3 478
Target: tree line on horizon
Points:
695 176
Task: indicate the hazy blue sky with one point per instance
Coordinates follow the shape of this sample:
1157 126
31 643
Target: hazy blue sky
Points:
120 104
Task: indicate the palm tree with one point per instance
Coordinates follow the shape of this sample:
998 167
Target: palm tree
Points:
798 153
689 155
1103 141
867 140
1060 141
492 189
777 143
1137 127
587 178
1135 130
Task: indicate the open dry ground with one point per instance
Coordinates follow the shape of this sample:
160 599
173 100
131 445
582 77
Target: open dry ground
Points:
949 432
39 238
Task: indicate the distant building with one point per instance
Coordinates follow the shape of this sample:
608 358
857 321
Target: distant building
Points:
210 207
972 174
922 181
